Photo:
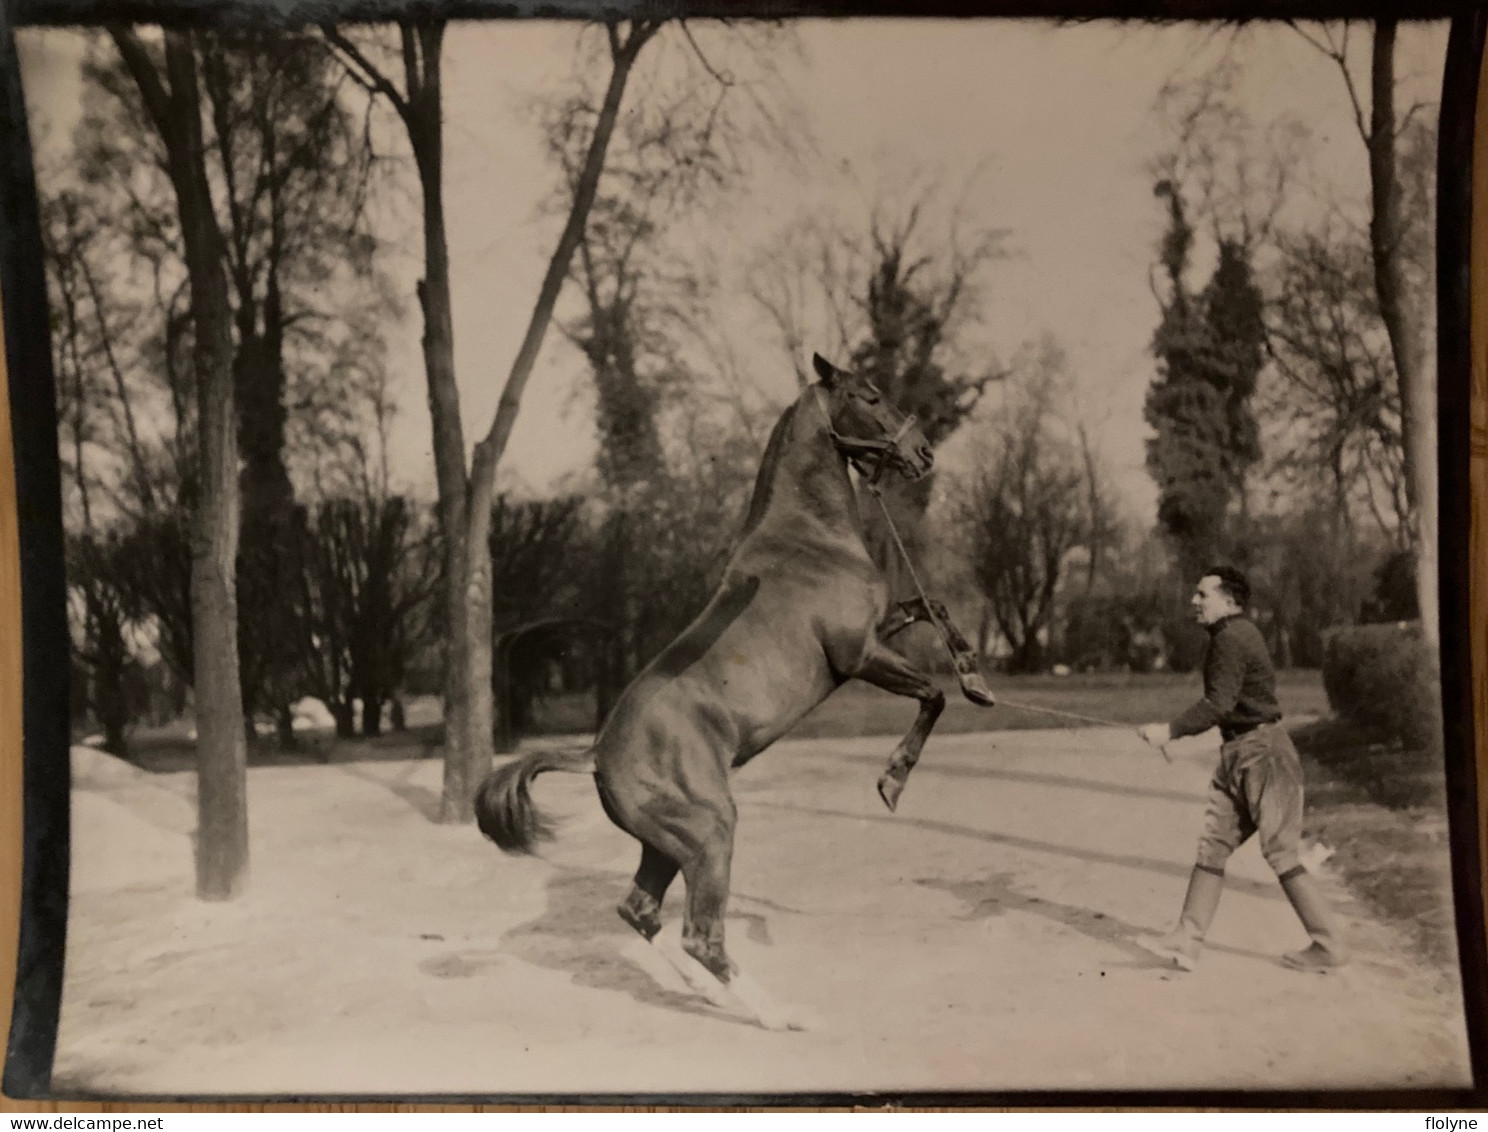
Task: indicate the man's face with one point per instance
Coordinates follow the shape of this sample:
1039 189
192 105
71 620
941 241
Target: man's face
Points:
1210 601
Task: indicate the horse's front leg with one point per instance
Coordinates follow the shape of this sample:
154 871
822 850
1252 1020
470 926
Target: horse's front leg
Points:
901 617
882 667
963 657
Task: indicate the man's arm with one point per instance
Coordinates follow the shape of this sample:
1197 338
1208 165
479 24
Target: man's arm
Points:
1224 673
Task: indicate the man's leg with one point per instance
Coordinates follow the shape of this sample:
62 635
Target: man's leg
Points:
1182 945
1225 828
1273 788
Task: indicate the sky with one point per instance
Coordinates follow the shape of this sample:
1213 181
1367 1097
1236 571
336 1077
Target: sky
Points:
1058 121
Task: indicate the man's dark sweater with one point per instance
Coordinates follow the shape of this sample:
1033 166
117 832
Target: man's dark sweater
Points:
1239 683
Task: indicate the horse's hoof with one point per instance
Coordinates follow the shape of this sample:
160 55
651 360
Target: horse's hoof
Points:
889 789
975 689
646 926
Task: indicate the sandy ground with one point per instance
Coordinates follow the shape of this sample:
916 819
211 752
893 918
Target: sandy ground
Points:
980 939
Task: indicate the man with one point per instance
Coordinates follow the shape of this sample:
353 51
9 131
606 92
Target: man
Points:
1257 788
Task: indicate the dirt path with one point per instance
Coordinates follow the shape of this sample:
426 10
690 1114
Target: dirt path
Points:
980 939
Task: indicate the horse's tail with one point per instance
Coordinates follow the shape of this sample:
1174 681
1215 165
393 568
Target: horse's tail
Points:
503 804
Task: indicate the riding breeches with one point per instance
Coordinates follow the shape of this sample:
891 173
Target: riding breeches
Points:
1256 789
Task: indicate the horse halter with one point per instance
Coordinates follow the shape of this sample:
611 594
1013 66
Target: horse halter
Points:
856 446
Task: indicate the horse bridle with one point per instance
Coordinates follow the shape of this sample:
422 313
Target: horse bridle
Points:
856 446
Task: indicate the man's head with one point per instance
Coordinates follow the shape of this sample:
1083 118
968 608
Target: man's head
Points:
1222 592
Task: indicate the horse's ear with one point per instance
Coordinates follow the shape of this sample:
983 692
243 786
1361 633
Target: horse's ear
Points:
824 369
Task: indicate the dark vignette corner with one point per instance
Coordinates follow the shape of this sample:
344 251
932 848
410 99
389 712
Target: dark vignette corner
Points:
1454 391
45 653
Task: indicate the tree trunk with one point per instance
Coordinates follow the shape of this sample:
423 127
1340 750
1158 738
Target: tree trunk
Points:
109 695
222 783
465 500
344 713
1403 324
505 729
371 715
467 752
222 835
110 662
477 589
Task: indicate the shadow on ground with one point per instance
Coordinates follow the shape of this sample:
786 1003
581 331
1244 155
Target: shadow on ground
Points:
421 798
1033 778
995 895
580 935
1126 860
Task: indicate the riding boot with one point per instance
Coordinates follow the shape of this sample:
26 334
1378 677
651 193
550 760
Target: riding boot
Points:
1183 944
1325 952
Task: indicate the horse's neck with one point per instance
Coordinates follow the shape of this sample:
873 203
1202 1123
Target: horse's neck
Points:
803 489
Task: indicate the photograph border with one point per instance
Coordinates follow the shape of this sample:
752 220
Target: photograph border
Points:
34 773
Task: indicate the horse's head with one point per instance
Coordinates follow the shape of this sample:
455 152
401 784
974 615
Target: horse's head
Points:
868 430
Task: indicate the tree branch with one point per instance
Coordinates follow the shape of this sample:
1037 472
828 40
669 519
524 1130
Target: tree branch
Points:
1339 55
722 80
1405 118
142 69
414 74
360 68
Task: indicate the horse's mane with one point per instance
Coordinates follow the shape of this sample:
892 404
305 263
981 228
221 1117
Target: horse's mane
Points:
813 495
764 481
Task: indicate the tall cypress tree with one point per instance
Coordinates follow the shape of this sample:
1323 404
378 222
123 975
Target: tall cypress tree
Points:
1210 349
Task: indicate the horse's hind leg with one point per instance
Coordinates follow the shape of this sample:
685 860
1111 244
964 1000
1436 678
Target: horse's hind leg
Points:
706 875
693 827
886 669
641 908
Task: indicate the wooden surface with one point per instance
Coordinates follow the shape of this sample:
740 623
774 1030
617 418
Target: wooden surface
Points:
10 664
1478 531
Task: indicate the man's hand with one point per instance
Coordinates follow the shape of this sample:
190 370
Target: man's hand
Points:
1157 734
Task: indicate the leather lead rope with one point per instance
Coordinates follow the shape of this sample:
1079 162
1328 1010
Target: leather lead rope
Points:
894 534
919 589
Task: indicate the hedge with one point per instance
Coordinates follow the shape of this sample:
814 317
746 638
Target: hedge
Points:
1384 677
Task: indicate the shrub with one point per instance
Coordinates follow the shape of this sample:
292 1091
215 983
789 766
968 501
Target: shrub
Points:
1394 590
1384 677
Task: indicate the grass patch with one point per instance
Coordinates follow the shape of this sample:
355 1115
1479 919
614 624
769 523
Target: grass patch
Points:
855 710
1384 814
858 710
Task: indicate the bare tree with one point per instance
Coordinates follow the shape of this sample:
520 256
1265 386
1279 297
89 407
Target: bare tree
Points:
171 98
466 494
367 571
674 153
102 659
1401 298
917 292
1236 174
1334 387
897 292
1024 512
800 282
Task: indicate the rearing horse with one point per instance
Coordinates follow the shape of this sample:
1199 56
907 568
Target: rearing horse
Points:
800 611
